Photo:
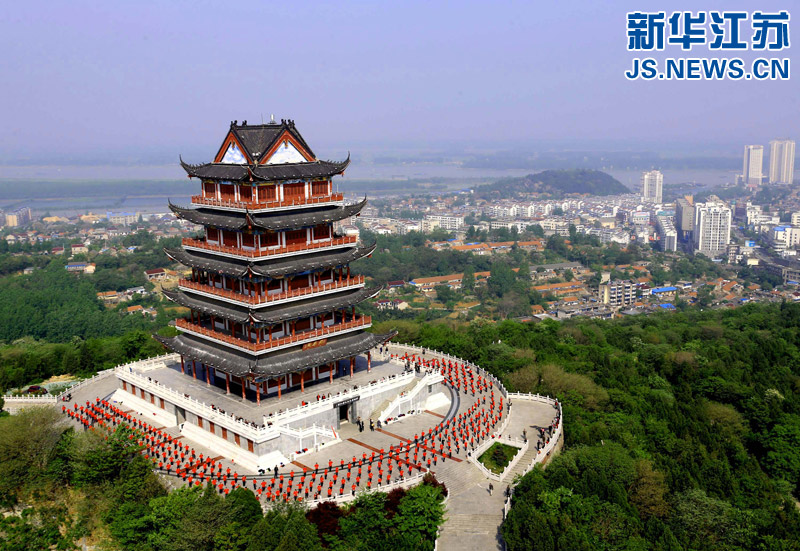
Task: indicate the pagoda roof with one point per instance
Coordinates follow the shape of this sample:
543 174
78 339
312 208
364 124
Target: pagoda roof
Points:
315 170
273 222
241 364
273 269
257 139
272 315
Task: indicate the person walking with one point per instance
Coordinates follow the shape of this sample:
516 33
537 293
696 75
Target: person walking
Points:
371 425
491 488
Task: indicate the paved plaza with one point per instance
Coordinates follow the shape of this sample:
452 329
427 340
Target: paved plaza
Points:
471 511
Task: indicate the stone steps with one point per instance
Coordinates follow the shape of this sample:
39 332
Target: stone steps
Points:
521 465
480 524
385 404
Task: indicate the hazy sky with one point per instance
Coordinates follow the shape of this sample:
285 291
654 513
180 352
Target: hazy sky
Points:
142 79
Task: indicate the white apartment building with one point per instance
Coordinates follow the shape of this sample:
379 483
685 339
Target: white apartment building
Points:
667 233
781 161
753 164
446 222
712 228
617 293
652 183
785 238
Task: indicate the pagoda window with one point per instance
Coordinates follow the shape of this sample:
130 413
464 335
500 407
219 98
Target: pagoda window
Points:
227 192
267 193
294 191
229 238
271 239
212 235
274 286
245 193
298 282
248 241
321 231
210 190
228 283
319 188
326 276
295 237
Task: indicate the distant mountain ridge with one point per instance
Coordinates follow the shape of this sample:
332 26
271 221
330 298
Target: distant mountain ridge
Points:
554 183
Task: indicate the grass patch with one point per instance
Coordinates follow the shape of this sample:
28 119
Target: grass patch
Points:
497 457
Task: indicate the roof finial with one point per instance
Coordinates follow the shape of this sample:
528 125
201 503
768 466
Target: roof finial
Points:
272 118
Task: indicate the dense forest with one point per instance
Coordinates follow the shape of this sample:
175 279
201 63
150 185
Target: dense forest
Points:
553 183
67 488
53 323
682 430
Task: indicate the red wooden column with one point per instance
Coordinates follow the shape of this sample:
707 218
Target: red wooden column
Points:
303 382
227 384
258 393
244 396
208 375
182 368
330 371
194 370
369 361
280 383
352 363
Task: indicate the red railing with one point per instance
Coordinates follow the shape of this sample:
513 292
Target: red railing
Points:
346 240
252 205
360 321
233 295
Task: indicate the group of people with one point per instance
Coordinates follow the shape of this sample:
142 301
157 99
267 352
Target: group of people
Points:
451 436
372 425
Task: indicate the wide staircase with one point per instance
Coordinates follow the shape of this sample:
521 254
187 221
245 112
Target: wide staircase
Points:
521 466
385 404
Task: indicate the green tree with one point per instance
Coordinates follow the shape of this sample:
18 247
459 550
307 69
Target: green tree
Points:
27 441
468 279
501 279
420 514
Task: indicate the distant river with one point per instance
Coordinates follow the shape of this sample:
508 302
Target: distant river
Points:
458 176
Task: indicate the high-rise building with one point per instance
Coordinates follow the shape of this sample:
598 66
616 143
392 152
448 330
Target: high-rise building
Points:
684 217
668 235
271 300
712 227
651 185
753 165
781 161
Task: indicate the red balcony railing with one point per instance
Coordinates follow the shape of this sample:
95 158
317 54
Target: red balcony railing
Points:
360 321
239 297
253 205
346 240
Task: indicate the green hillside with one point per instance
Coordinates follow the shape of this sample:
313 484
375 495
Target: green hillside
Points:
554 183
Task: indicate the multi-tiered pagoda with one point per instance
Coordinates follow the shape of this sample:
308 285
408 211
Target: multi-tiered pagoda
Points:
272 302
